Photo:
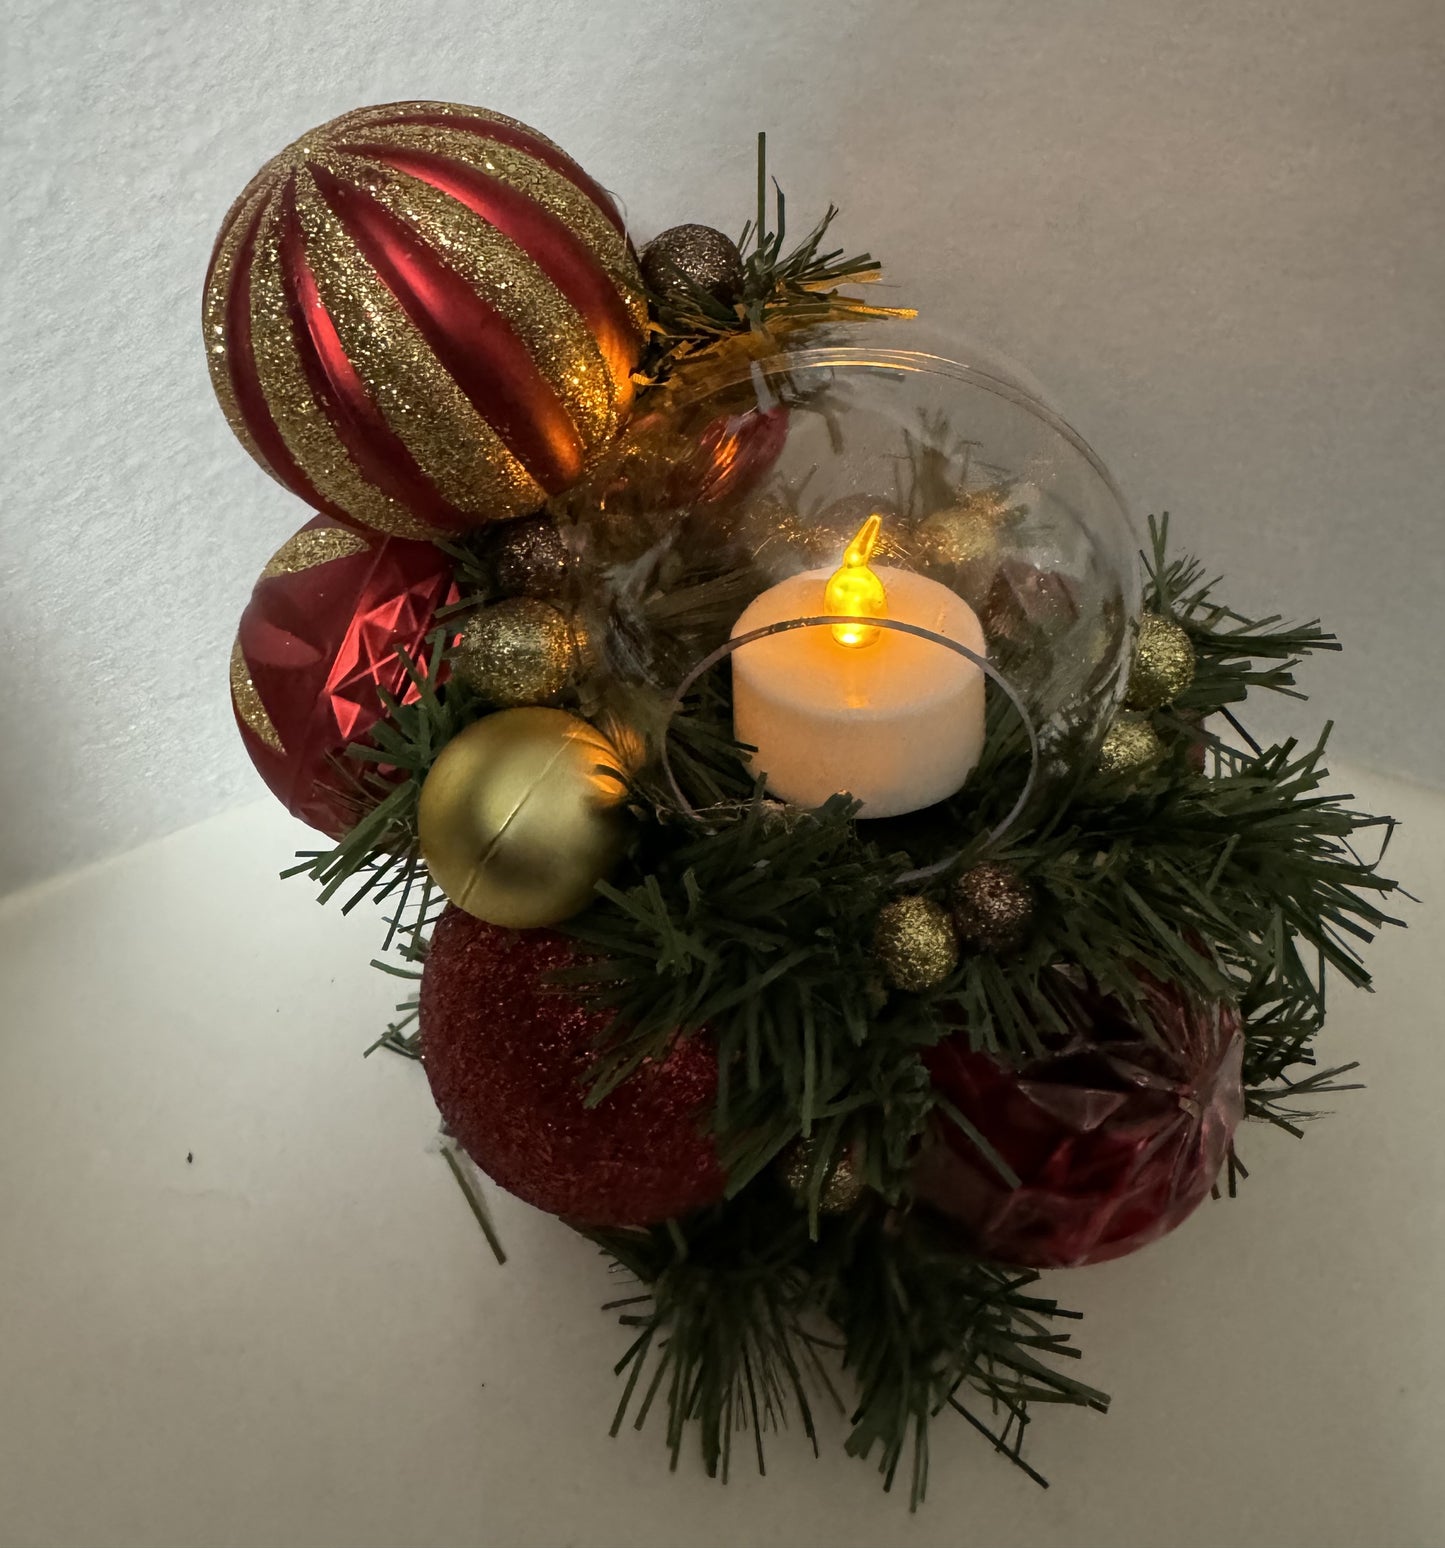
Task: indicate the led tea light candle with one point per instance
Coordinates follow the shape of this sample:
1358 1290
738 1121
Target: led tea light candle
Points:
893 719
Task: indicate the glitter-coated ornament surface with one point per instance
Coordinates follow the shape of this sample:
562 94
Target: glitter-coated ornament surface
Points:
1163 664
530 558
1115 1138
696 255
992 906
421 316
520 651
507 1057
1131 746
914 940
842 1188
521 816
316 644
966 533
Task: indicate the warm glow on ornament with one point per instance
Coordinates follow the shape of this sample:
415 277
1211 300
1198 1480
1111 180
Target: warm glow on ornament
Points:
855 591
522 815
895 719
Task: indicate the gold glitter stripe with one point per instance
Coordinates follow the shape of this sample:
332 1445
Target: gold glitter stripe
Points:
248 702
556 337
213 319
453 445
387 110
312 546
543 186
302 423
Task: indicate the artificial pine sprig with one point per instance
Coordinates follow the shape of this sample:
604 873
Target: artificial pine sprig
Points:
756 928
728 1330
926 1327
781 291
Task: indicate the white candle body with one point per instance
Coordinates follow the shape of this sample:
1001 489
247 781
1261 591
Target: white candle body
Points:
897 724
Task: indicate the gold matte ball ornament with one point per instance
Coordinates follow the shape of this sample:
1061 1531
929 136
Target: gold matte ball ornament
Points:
1130 748
522 815
521 651
1163 664
914 940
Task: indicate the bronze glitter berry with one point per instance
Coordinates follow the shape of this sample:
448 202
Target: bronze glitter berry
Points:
992 906
530 558
696 254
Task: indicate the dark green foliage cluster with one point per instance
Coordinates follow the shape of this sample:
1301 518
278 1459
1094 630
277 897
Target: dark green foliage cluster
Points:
1225 871
756 928
747 1314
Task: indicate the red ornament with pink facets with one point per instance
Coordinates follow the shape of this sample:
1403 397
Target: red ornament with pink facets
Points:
317 644
1116 1137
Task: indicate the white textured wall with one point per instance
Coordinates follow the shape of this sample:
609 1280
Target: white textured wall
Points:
1215 231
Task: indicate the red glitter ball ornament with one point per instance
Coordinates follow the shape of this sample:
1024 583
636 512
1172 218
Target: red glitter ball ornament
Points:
317 642
507 1054
1115 1139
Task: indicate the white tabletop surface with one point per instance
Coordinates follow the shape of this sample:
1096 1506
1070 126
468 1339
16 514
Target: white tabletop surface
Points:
299 1337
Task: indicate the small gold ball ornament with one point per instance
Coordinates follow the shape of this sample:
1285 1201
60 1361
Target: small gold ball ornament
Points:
958 536
522 815
1163 664
1131 747
842 1188
967 532
993 906
521 651
693 255
915 941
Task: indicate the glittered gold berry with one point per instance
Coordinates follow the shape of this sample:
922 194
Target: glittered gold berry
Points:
517 652
1163 664
1130 747
993 906
915 944
842 1188
965 533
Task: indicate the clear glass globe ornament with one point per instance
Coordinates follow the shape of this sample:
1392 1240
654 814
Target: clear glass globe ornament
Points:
754 467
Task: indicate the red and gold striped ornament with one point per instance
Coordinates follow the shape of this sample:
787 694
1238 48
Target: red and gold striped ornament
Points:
422 317
317 642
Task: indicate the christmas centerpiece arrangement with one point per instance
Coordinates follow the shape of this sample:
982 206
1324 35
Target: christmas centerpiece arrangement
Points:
839 877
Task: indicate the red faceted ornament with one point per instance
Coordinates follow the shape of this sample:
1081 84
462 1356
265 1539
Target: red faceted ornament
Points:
1115 1138
317 642
423 316
735 454
507 1056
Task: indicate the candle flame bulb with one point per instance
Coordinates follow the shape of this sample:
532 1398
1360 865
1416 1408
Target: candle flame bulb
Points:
855 591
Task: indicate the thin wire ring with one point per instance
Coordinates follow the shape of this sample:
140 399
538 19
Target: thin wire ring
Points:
826 620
